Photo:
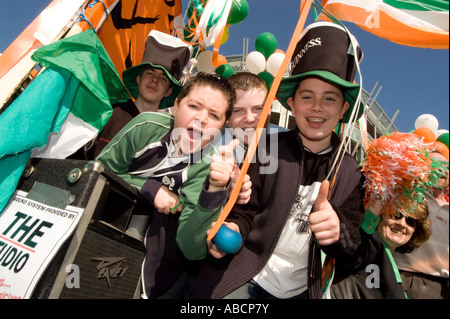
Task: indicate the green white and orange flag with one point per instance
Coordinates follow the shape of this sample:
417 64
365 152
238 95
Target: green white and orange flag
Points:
63 108
423 23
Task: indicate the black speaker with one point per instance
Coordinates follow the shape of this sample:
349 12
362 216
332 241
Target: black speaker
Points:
108 265
101 259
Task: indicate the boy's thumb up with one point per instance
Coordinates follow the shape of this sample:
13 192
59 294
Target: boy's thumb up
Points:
324 222
322 198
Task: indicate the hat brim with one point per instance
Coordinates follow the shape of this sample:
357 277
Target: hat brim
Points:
129 79
289 85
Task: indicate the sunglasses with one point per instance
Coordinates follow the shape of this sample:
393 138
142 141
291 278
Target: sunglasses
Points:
409 220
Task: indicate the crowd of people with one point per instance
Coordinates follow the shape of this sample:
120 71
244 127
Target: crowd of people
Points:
297 222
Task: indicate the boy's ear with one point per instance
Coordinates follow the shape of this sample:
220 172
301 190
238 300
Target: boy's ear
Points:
345 107
290 102
169 92
175 105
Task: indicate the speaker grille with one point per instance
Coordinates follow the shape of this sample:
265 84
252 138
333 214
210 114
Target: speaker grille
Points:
109 268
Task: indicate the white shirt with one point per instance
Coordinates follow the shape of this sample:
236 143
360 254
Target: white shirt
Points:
286 273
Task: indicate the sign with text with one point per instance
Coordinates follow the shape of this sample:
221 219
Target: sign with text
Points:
31 233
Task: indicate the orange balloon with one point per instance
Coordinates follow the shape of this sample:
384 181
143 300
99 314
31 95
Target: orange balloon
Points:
221 60
426 133
442 148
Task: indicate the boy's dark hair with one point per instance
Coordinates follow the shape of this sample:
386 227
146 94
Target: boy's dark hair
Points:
214 81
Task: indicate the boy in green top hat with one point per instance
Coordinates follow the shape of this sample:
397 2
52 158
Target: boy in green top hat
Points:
154 84
166 56
293 213
330 59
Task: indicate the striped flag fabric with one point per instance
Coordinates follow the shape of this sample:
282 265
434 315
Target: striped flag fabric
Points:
415 23
100 86
62 108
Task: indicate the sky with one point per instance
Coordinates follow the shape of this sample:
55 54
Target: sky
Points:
413 80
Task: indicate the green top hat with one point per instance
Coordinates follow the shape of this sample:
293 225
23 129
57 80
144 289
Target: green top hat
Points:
325 50
164 52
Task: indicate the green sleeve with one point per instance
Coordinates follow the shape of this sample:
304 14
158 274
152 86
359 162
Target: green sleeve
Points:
196 218
144 129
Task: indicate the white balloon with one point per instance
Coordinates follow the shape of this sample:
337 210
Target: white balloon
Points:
440 132
274 62
428 121
204 62
255 62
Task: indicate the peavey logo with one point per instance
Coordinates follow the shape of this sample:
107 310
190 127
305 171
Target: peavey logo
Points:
110 267
311 43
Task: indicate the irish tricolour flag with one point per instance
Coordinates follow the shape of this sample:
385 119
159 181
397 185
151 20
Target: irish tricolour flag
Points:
63 107
408 22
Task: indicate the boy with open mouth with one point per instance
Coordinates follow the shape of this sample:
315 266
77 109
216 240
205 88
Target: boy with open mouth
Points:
172 163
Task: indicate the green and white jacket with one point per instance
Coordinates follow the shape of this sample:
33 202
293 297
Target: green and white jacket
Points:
142 147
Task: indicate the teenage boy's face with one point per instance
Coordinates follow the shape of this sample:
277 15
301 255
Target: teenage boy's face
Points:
153 85
246 113
199 117
317 106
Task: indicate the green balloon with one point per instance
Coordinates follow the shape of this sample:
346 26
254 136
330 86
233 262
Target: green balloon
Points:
267 77
238 11
195 4
225 70
443 138
266 43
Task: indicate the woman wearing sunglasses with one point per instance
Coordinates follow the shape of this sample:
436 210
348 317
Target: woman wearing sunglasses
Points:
404 233
377 276
399 171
